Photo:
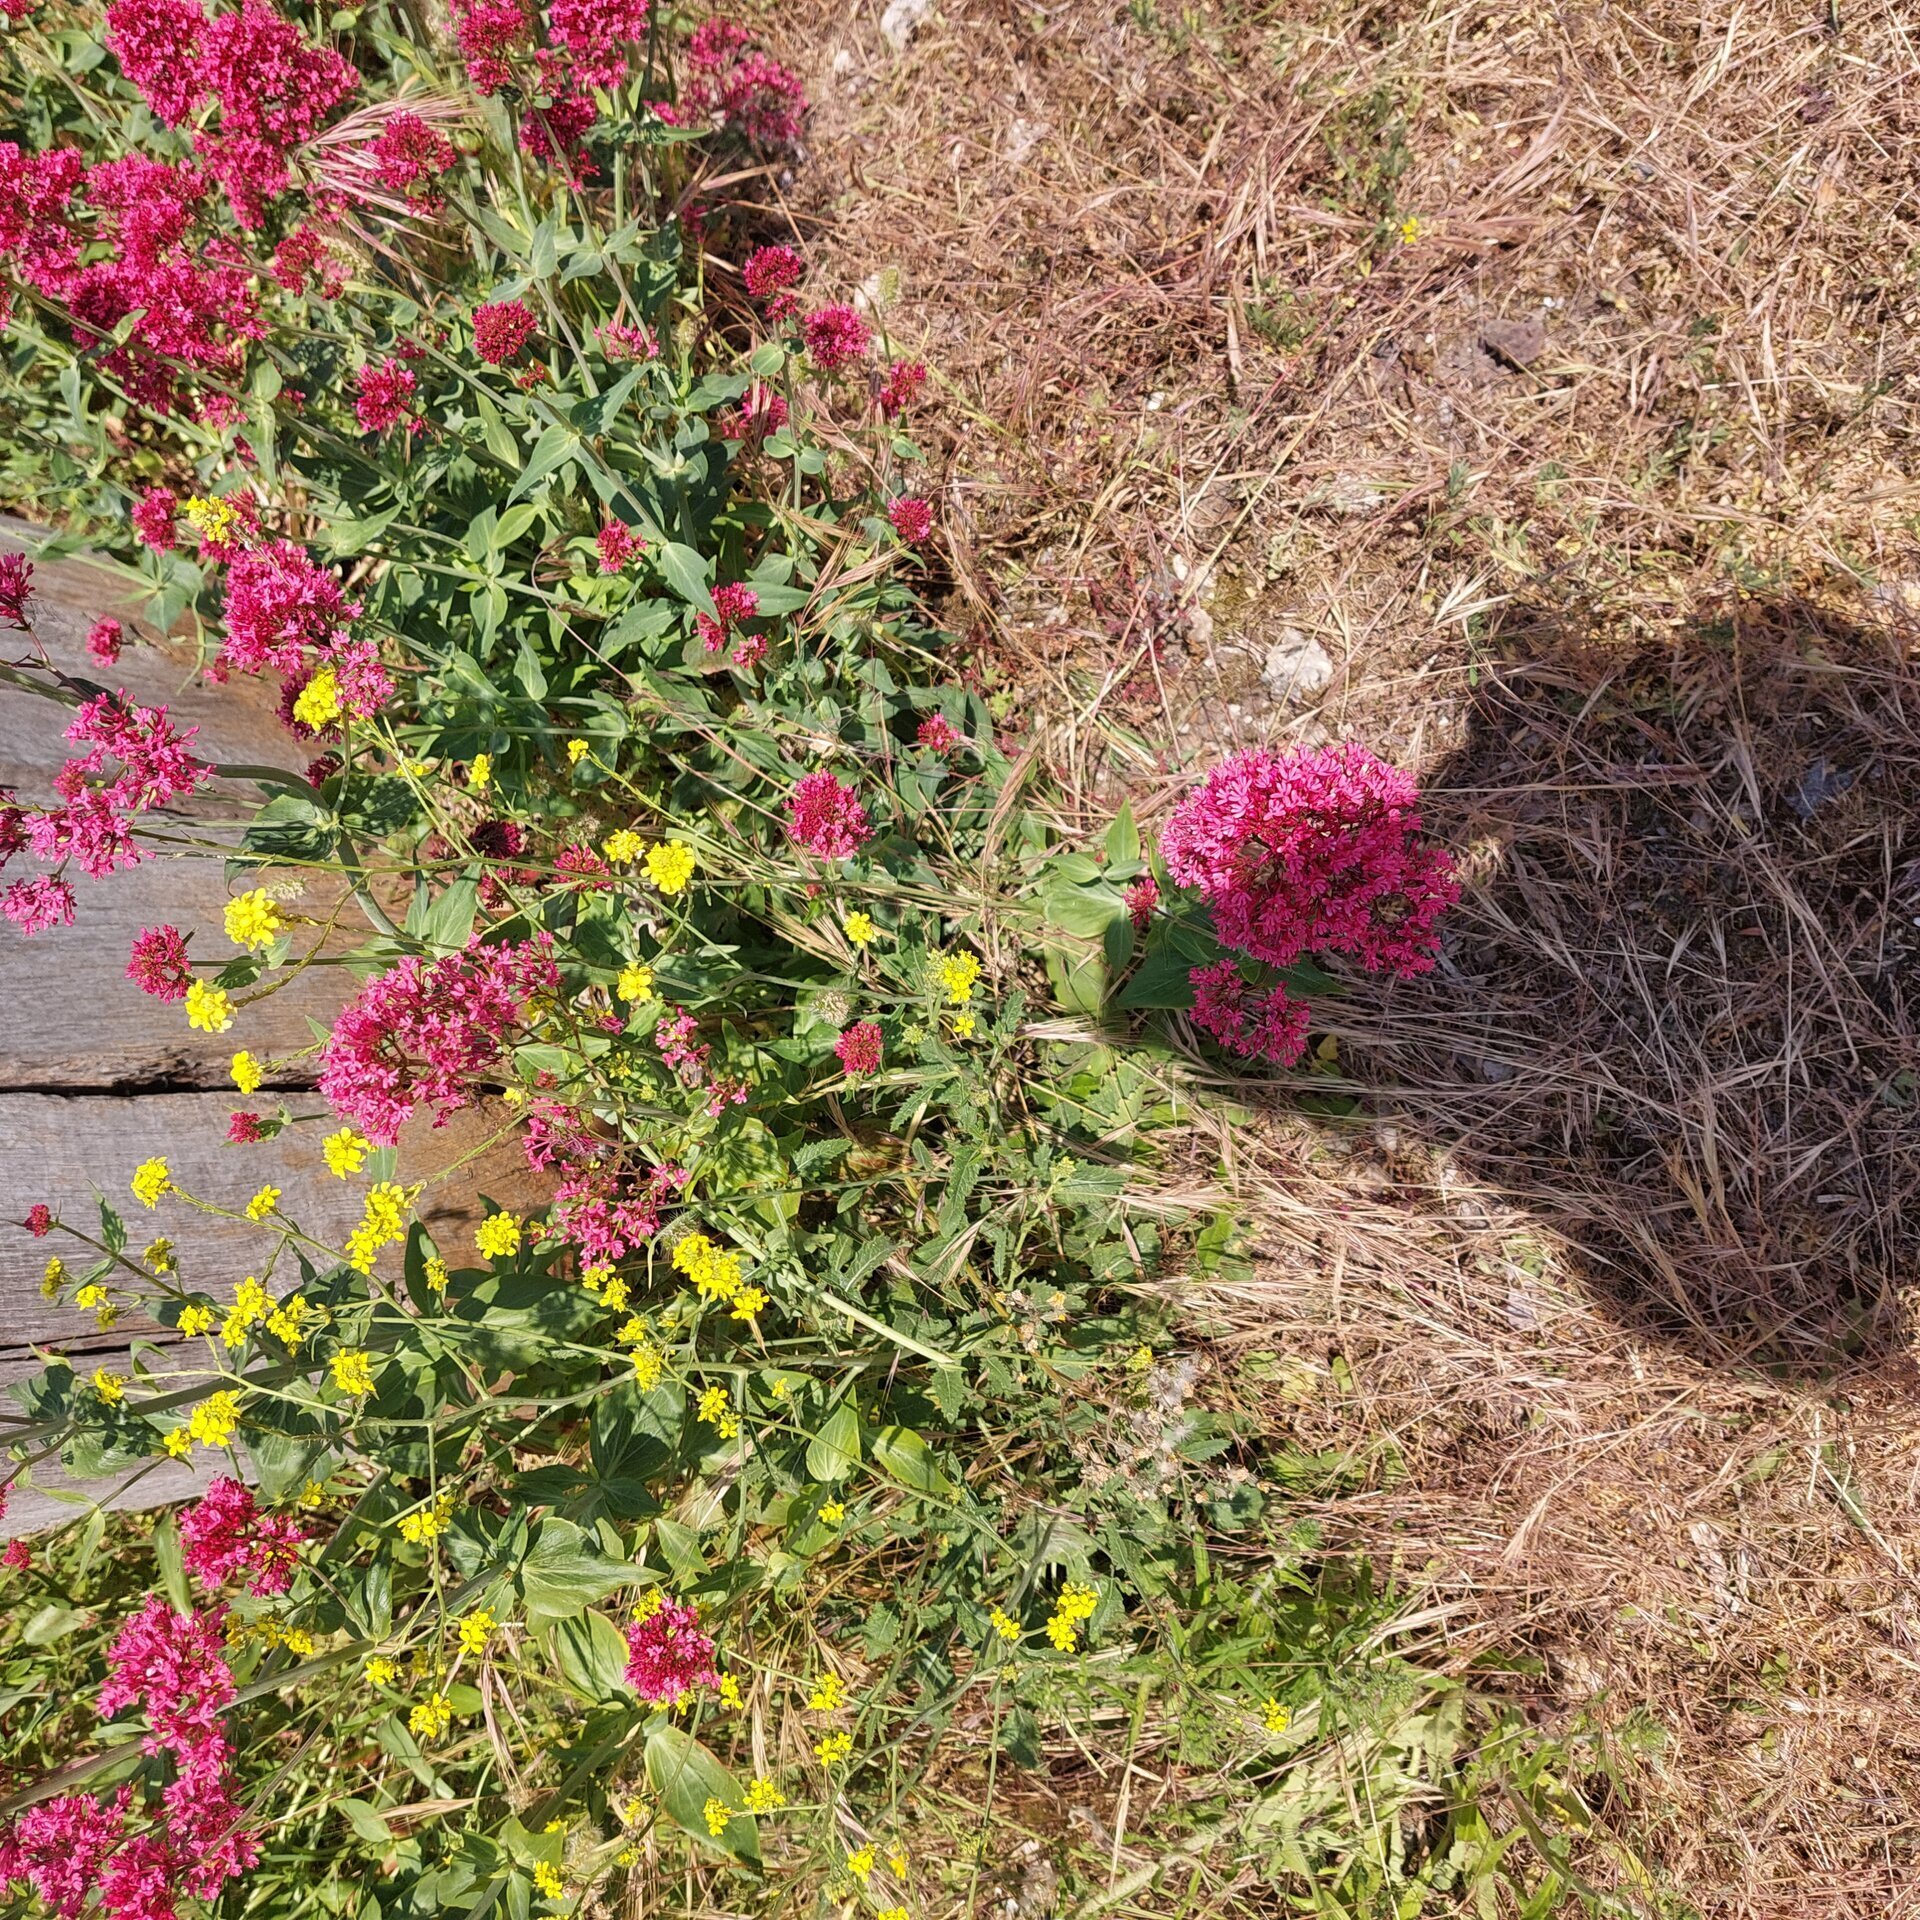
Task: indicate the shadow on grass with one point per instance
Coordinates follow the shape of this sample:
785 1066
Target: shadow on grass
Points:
1676 1014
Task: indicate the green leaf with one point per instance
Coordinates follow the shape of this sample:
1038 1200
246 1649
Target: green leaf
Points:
685 572
1123 838
113 1230
900 1452
172 1565
1161 982
554 447
591 1655
563 1575
367 1822
834 1451
686 1776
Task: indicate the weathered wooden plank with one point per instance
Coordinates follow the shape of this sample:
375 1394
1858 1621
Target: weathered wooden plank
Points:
65 1150
80 1022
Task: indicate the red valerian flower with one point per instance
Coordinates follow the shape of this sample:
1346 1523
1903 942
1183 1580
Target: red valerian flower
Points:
938 733
243 1129
1256 1025
1141 899
904 380
668 1655
158 963
104 641
911 518
836 336
859 1048
409 156
555 133
488 32
157 43
38 904
1314 851
59 1847
305 255
384 397
16 588
224 1534
154 516
618 543
279 603
760 412
619 341
594 34
826 818
746 91
769 271
39 1223
501 329
732 604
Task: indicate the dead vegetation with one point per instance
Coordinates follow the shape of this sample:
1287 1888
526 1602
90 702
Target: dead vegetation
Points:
1530 393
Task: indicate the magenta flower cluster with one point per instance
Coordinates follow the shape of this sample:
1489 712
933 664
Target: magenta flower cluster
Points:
225 1536
426 1032
668 1655
1310 852
826 818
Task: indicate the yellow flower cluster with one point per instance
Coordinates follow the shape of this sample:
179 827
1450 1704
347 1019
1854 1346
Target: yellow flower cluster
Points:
1075 1604
251 1305
318 706
859 928
498 1236
474 1630
730 1696
253 921
547 1881
151 1178
649 1363
833 1512
577 750
635 983
208 1008
715 1410
956 974
623 845
829 1693
1004 1624
1275 1717
714 1271
263 1203
247 1072
764 1797
212 519
111 1387
670 866
346 1152
716 1813
480 772
432 1717
437 1275
288 1321
196 1320
215 1421
159 1256
352 1369
382 1672
861 1863
384 1222
833 1749
427 1523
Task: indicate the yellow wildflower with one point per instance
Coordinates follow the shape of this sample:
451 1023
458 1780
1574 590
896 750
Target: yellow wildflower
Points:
427 1523
159 1256
474 1629
196 1320
730 1693
829 1691
963 1026
893 1913
382 1672
1276 1717
346 1152
1004 1624
670 866
627 1857
623 845
91 1298
635 983
859 928
764 1797
252 922
432 1717
716 1813
111 1387
208 1008
247 1075
436 1274
1140 1360
384 1222
216 1419
313 1496
251 1305
713 1405
287 1322
151 1179
577 750
861 1864
498 1236
956 973
897 1861
1410 230
833 1512
318 705
480 772
1074 1605
833 1749
352 1369
649 1363
263 1203
51 1277
177 1442
211 519
547 1881
298 1640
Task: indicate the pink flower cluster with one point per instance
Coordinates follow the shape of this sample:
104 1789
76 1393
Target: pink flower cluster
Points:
16 589
488 33
1311 852
836 336
732 605
94 824
594 35
741 89
618 544
75 1848
668 1655
501 329
157 963
427 1032
409 157
859 1047
224 1535
911 518
118 241
155 519
384 397
938 734
604 1216
760 412
557 133
769 274
827 818
902 385
280 605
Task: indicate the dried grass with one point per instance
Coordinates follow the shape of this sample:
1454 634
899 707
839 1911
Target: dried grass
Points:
1614 1257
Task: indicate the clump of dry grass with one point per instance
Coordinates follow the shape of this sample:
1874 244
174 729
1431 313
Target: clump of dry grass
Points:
1592 482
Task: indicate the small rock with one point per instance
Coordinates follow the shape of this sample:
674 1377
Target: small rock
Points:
1518 342
902 20
1297 666
1022 137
